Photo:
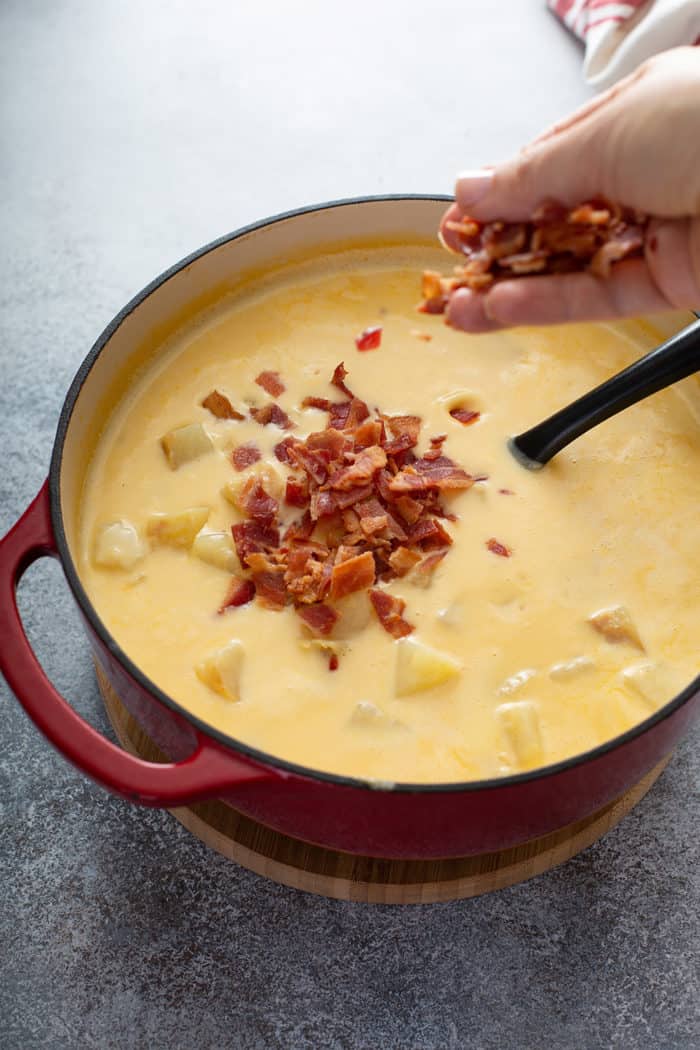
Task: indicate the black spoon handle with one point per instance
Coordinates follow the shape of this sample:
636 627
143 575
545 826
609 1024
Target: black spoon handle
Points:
673 360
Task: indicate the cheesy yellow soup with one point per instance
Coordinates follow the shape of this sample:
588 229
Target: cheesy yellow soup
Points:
528 616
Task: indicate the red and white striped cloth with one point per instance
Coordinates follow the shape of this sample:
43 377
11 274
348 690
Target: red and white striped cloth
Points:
618 36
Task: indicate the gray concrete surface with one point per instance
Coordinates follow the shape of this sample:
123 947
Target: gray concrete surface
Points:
131 133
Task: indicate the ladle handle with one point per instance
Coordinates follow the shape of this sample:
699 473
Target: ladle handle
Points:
675 359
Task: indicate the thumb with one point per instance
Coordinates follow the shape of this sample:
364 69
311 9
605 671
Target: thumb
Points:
570 162
550 169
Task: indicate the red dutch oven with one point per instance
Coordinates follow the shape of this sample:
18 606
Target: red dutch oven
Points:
382 820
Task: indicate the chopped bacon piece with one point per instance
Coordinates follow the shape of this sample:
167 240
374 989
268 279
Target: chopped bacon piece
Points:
371 432
404 426
352 496
372 509
506 492
525 262
316 402
425 337
352 574
270 589
433 306
397 446
239 592
319 618
271 413
465 415
338 379
389 611
257 503
300 530
296 492
313 461
627 242
322 504
331 442
466 227
429 534
441 474
307 576
370 338
220 406
271 383
588 213
496 547
410 509
281 450
333 661
403 559
251 536
367 462
245 455
428 565
358 412
501 239
339 413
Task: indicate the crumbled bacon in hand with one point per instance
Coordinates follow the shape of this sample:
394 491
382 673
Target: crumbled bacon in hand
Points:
370 338
220 406
271 383
591 237
370 513
245 455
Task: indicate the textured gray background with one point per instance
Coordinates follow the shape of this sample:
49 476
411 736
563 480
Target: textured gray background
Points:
133 132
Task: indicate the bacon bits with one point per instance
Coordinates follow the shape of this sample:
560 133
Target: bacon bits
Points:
320 619
591 237
244 456
389 611
496 547
370 338
220 406
369 512
271 383
271 413
353 574
466 416
239 592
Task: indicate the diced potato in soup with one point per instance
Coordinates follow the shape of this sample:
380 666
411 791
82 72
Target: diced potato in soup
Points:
343 566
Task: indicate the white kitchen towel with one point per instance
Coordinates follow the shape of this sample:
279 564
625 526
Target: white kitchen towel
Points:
618 36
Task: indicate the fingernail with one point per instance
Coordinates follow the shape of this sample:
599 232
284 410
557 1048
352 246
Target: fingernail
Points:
472 186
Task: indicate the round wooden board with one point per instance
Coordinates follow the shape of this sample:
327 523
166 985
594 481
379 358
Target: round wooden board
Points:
345 876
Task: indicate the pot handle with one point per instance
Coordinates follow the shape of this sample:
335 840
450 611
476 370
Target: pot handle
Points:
207 773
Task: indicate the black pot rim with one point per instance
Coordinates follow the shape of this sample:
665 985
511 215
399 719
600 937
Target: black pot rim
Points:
229 742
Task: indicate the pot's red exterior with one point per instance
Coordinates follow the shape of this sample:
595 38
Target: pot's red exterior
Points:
386 823
379 820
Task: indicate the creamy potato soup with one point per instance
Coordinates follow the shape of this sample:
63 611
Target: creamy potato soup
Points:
401 600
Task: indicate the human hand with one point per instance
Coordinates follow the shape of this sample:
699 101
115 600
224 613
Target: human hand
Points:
637 144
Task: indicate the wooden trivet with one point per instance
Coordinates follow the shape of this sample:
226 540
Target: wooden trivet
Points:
345 876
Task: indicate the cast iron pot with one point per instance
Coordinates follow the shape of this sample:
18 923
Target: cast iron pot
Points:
397 820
